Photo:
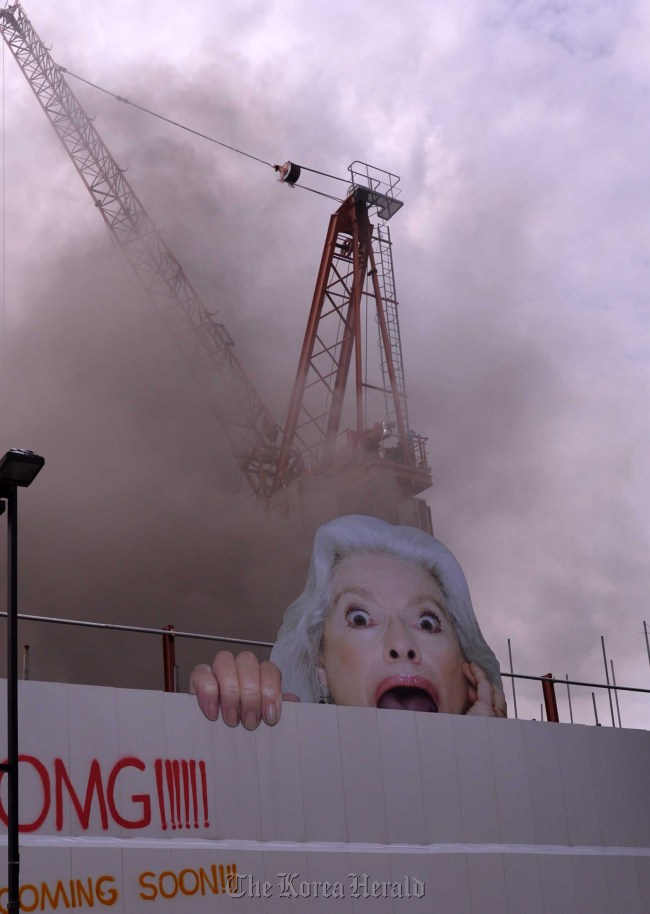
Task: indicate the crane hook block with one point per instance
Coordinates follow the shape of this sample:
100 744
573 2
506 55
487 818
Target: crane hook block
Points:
289 173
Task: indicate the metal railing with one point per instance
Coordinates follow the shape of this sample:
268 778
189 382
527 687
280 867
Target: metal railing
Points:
170 633
548 690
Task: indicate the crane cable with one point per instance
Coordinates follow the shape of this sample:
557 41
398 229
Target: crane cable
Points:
313 189
204 136
126 101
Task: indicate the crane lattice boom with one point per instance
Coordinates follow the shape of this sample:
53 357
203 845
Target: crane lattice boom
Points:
207 344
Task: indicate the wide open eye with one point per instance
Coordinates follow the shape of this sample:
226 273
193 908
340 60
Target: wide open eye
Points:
357 617
429 621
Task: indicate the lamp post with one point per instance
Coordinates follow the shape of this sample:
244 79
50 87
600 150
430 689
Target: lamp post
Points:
17 468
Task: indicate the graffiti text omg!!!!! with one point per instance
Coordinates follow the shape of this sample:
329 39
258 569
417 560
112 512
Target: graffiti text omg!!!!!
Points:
177 791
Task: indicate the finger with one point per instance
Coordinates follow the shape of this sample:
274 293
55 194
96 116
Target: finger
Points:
271 681
204 685
499 707
289 696
483 705
250 691
225 671
499 703
471 685
468 673
472 694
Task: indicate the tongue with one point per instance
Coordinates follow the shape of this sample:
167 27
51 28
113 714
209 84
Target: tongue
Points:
407 699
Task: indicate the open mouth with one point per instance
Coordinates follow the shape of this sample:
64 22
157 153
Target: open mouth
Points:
407 698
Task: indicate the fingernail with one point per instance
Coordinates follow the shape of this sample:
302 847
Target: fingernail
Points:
270 714
212 710
232 717
250 720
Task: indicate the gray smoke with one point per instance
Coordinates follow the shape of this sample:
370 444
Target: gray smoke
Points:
521 271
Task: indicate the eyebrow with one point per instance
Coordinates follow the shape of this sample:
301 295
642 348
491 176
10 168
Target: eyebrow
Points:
356 591
414 601
425 597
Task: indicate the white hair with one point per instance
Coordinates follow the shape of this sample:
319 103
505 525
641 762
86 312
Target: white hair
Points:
298 646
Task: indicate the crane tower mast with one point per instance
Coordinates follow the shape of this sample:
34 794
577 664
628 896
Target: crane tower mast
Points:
371 451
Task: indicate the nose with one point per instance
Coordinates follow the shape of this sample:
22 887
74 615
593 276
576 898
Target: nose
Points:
400 644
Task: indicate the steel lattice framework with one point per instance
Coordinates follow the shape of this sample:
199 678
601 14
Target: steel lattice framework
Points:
207 344
356 274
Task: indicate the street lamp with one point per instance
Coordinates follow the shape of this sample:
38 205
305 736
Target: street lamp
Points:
17 468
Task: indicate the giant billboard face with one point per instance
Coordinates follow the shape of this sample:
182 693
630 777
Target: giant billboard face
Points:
388 641
385 621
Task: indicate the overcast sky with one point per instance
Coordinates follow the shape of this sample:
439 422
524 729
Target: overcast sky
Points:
520 132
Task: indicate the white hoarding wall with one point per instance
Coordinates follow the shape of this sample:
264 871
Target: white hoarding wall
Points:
131 801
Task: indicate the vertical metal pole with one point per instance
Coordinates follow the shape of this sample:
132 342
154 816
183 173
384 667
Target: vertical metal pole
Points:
647 640
548 688
26 661
593 698
618 710
568 695
169 659
402 430
512 679
355 304
609 691
13 856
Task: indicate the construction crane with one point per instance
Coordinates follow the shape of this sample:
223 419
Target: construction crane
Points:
375 465
376 462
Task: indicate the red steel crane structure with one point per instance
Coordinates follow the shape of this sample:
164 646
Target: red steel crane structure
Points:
377 464
371 451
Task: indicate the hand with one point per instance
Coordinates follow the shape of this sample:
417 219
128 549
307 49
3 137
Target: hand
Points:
485 699
246 690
